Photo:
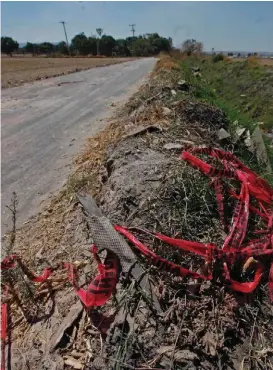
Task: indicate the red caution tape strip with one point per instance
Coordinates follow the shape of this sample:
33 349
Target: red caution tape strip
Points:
234 248
97 293
104 284
4 327
160 262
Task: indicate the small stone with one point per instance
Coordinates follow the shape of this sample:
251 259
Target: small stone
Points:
166 111
172 146
137 111
182 82
197 74
259 148
240 131
223 134
39 254
189 142
195 69
183 85
70 361
242 95
173 92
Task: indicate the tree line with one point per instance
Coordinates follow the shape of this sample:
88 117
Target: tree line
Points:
142 45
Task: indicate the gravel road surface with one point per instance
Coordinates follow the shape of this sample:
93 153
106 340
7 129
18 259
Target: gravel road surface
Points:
45 124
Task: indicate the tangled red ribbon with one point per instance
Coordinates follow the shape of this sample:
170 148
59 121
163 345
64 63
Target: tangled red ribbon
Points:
235 247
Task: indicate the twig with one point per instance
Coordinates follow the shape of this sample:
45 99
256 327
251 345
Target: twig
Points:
129 366
13 209
176 339
252 333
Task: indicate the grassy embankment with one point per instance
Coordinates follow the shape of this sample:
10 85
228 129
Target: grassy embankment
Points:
243 90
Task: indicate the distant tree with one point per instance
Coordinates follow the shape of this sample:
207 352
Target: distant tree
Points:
239 54
130 40
92 45
107 45
46 47
36 49
142 47
99 32
218 58
121 48
29 48
62 48
145 45
230 54
80 44
159 43
192 46
8 45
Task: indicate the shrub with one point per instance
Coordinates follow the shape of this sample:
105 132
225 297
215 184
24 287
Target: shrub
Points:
218 58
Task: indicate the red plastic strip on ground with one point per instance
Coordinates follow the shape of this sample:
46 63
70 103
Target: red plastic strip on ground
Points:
9 262
158 261
4 328
240 220
4 321
245 287
251 208
258 187
104 284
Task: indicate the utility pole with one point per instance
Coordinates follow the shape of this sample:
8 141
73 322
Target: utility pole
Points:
63 23
132 29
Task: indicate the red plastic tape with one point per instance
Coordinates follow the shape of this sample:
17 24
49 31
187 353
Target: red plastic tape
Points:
4 327
104 284
158 261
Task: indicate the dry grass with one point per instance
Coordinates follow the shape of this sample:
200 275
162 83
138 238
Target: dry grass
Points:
166 62
265 62
261 61
18 70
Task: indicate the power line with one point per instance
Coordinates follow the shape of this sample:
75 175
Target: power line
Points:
63 23
132 29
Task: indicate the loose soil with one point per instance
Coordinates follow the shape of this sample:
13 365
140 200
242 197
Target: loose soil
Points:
18 70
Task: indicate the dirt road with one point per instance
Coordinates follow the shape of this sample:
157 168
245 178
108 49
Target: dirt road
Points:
45 124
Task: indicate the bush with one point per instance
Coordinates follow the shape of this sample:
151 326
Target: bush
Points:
218 58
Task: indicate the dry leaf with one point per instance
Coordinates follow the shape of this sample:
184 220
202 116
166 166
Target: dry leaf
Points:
184 355
210 343
164 349
70 361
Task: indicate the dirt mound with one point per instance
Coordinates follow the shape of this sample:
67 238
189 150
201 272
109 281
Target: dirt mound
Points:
134 173
205 114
